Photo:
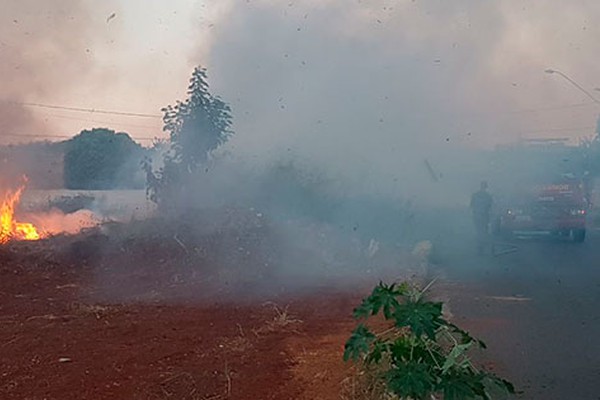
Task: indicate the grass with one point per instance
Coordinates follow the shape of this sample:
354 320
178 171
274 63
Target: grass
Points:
282 321
366 384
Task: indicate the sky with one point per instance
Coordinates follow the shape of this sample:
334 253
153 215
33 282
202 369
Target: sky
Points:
342 79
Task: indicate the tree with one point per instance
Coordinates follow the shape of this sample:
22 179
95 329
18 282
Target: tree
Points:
197 126
100 159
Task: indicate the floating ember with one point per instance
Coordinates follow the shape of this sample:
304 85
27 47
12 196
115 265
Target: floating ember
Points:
10 229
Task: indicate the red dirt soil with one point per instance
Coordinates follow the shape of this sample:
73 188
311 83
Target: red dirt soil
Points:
57 342
123 313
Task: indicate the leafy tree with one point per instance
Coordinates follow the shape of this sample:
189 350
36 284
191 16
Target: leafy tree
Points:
197 126
102 159
421 355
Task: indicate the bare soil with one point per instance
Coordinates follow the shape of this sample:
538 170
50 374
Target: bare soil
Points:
68 330
190 310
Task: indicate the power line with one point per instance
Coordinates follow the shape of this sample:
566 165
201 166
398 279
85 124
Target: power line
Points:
145 115
57 136
34 135
95 121
89 110
48 136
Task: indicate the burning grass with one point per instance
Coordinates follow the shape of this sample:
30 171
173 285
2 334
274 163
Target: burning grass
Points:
10 228
40 224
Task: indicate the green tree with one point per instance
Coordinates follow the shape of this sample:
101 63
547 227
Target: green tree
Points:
100 159
197 126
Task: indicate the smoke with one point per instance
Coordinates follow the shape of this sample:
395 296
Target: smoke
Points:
350 117
45 50
56 222
402 72
370 90
395 105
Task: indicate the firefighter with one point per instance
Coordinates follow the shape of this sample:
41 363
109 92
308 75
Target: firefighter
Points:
481 207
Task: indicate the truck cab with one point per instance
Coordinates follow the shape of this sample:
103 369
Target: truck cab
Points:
557 208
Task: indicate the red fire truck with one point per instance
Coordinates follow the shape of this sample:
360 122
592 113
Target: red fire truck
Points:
558 208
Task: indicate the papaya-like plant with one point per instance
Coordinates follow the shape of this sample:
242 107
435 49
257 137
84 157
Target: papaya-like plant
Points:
421 355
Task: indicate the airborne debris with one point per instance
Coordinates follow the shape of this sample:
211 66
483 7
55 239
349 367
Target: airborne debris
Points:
432 173
373 248
110 17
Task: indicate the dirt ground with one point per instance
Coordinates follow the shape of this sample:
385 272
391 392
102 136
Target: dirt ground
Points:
121 312
61 339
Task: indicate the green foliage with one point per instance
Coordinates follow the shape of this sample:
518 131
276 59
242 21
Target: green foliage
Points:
359 343
422 354
197 126
102 159
422 317
411 379
383 297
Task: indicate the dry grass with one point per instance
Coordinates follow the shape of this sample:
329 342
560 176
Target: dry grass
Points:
365 383
181 386
368 383
282 321
96 310
236 344
184 386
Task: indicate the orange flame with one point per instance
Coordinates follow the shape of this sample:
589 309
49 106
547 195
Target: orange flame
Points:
10 229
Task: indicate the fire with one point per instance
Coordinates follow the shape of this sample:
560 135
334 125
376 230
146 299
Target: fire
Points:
10 229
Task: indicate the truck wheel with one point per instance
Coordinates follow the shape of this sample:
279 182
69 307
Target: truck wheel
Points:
579 235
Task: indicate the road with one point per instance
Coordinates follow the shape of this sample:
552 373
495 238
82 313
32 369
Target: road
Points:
538 309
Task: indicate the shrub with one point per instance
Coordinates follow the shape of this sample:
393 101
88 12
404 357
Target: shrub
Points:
421 356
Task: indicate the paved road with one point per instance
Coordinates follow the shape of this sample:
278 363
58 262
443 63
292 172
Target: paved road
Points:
540 307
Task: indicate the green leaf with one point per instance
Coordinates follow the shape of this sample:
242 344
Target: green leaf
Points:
423 318
400 350
377 352
359 343
500 383
383 297
466 337
462 384
411 380
453 358
419 362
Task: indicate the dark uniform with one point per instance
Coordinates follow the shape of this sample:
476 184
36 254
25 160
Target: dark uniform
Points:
481 206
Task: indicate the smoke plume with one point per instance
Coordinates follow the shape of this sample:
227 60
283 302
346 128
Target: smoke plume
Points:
45 50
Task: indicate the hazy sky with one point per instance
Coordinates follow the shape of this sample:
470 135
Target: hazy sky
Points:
359 76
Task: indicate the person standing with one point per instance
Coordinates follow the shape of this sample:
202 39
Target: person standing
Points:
481 207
